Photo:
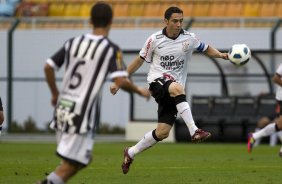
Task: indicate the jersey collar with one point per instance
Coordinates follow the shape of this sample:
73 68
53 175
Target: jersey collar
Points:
164 33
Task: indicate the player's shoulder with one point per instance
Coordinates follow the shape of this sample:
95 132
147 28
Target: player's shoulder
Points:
157 35
112 44
71 39
189 34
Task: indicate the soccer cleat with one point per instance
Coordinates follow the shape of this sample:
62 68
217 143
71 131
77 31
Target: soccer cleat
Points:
200 135
251 142
126 162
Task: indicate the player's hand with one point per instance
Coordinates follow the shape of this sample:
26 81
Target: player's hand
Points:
114 88
224 56
144 92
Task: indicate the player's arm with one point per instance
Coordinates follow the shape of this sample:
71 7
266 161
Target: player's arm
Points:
55 62
127 85
213 52
135 65
51 81
277 79
132 67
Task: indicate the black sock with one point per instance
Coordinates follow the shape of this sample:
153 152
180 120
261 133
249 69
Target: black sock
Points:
155 136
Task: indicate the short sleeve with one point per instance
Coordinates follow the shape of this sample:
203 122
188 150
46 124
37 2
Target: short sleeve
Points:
117 67
198 44
57 60
147 50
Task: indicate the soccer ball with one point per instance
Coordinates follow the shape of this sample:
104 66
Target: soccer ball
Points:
239 54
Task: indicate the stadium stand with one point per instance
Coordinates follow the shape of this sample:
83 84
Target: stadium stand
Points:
72 10
136 9
85 9
234 9
218 9
251 9
149 13
152 9
194 8
120 9
267 9
56 9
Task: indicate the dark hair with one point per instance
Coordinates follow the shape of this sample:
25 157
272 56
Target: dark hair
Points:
101 14
172 10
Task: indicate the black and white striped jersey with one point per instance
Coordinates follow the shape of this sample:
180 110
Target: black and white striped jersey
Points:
169 56
88 59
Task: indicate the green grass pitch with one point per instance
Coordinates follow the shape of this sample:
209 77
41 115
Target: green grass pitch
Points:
165 163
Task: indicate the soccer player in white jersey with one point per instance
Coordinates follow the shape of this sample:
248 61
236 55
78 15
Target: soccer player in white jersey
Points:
1 116
168 51
277 124
88 59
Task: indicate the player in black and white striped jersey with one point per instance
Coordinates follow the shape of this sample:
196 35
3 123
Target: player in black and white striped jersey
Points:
88 59
1 116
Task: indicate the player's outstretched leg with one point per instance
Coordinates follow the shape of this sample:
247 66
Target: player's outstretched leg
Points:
251 142
127 161
200 135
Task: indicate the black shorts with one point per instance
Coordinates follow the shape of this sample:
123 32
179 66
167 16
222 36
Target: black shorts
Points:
167 111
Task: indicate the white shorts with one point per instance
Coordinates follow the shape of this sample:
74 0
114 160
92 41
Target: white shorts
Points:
75 147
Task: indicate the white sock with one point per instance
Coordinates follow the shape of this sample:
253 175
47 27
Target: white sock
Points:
185 112
259 139
54 178
266 131
145 143
279 134
273 139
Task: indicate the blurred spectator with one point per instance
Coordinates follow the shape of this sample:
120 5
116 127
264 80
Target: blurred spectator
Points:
8 7
28 9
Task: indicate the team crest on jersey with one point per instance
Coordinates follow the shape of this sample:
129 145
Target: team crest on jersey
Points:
185 46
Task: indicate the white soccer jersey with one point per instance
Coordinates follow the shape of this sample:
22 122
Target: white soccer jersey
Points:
88 59
169 57
279 88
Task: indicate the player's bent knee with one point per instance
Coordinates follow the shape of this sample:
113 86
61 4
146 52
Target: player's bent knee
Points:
263 122
176 89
